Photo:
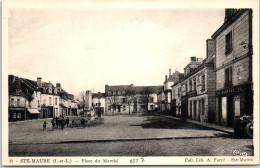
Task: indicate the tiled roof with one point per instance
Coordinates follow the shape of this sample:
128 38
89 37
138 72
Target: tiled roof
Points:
137 89
153 89
119 88
98 95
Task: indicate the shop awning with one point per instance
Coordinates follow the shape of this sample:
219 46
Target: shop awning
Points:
33 111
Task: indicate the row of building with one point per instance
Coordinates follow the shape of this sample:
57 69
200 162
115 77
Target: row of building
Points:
214 89
219 87
30 99
124 99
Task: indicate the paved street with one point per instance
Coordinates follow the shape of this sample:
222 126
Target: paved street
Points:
173 138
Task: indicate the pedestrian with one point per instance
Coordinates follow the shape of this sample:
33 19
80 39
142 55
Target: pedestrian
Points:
57 122
67 121
52 123
73 123
82 121
44 125
62 122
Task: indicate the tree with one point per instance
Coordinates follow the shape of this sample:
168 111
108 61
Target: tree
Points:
130 95
145 96
112 101
82 100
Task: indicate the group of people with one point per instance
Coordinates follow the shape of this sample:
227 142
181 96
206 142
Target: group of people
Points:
58 121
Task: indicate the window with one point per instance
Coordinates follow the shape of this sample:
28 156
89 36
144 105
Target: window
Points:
38 103
229 42
195 84
203 83
19 115
124 108
190 85
228 77
18 102
14 115
49 100
151 106
12 101
119 92
123 100
150 99
30 104
203 107
56 101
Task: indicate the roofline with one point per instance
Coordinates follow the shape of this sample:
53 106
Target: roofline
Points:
200 67
229 22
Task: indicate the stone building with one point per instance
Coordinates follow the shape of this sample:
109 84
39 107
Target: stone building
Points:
193 96
99 102
23 99
234 93
30 99
130 98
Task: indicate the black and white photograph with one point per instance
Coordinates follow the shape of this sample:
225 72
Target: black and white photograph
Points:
112 85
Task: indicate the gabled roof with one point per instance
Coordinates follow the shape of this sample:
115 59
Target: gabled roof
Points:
119 88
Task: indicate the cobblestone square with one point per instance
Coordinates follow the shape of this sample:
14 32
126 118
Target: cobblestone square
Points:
123 135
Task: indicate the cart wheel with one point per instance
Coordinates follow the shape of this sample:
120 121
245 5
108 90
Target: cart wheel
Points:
250 130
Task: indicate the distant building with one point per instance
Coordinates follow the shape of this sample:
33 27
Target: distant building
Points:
126 98
234 83
165 96
99 102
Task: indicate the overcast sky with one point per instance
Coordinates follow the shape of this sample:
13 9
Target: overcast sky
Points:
84 49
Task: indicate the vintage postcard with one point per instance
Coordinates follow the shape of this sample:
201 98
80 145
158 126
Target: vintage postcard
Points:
130 83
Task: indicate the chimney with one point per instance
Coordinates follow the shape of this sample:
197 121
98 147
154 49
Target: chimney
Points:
58 86
131 85
211 49
229 13
39 82
165 77
170 72
193 59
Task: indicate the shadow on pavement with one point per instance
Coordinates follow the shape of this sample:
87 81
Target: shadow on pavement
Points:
161 122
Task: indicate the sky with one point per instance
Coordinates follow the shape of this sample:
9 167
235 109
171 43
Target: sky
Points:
85 49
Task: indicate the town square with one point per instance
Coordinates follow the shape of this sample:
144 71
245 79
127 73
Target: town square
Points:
132 82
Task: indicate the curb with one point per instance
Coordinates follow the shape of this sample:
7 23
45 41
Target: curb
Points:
118 140
205 126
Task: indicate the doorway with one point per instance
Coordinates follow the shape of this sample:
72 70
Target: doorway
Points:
230 110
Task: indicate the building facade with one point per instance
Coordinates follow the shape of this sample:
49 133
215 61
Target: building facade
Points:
30 99
234 93
193 96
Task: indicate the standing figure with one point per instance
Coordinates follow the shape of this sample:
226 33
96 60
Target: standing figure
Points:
67 121
52 123
57 122
44 125
62 122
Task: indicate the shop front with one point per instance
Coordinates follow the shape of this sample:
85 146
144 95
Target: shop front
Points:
17 114
232 102
33 113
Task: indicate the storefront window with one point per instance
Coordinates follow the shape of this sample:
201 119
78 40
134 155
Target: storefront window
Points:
19 115
14 115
